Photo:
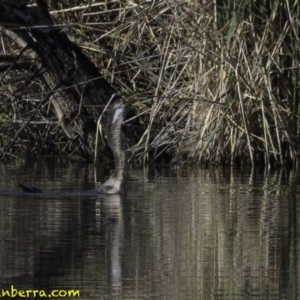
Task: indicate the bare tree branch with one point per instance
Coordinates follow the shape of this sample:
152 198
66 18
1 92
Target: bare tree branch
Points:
79 92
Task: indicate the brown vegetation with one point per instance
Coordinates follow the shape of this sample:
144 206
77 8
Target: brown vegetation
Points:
210 82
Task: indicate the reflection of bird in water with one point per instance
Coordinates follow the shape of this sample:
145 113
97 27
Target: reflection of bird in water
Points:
116 183
110 213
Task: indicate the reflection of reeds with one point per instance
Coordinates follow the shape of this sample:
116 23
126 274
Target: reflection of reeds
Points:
221 234
208 82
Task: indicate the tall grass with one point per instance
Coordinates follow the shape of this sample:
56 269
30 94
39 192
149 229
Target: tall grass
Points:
209 81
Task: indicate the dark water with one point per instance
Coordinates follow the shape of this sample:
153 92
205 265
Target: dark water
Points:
177 234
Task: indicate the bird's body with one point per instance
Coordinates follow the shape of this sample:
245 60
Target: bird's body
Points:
117 182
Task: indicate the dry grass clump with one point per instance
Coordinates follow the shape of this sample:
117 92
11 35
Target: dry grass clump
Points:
151 53
208 83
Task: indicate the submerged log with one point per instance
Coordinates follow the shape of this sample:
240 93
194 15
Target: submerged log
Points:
77 91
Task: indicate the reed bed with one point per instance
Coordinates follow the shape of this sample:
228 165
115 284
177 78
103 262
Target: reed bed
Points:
208 82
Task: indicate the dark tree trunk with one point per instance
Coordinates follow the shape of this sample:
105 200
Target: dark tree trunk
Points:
77 91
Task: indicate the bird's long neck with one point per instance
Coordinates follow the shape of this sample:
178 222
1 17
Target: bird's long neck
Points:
116 143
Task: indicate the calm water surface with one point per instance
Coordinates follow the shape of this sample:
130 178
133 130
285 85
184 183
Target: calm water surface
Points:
177 234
